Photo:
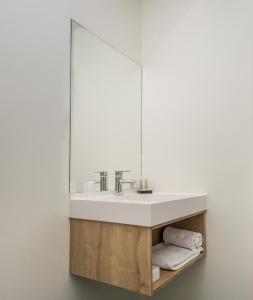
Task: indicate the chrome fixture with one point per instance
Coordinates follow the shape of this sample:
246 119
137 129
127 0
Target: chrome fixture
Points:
119 181
103 182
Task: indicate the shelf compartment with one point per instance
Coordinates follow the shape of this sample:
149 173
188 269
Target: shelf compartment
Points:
194 223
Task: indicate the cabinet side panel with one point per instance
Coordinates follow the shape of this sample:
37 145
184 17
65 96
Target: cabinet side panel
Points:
112 253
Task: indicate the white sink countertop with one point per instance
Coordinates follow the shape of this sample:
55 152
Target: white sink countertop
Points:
136 209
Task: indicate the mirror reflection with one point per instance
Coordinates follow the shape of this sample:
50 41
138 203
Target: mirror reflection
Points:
105 112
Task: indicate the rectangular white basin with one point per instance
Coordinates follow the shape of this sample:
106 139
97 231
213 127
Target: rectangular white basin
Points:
136 209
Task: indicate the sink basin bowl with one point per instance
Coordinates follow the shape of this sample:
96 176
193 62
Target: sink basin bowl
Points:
136 209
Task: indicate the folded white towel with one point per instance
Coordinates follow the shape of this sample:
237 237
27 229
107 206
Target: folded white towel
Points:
182 238
172 257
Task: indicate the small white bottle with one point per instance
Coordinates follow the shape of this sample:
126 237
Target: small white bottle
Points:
155 273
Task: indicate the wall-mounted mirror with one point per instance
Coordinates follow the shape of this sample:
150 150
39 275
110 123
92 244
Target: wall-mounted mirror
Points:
105 110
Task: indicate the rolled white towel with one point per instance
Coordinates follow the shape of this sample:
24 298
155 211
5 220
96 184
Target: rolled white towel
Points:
182 238
172 257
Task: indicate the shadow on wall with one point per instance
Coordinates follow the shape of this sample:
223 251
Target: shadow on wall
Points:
92 290
176 290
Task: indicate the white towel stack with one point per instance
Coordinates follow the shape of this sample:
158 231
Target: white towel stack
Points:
182 238
179 247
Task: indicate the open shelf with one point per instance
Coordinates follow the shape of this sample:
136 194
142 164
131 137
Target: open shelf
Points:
193 223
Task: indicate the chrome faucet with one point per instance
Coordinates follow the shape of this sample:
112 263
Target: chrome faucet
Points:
119 181
103 182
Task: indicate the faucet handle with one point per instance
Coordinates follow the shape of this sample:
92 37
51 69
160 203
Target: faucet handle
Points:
120 173
101 173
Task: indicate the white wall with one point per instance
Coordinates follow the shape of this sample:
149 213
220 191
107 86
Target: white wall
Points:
197 135
34 116
197 116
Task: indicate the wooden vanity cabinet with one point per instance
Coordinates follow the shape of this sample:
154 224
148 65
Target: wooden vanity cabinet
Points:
121 255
